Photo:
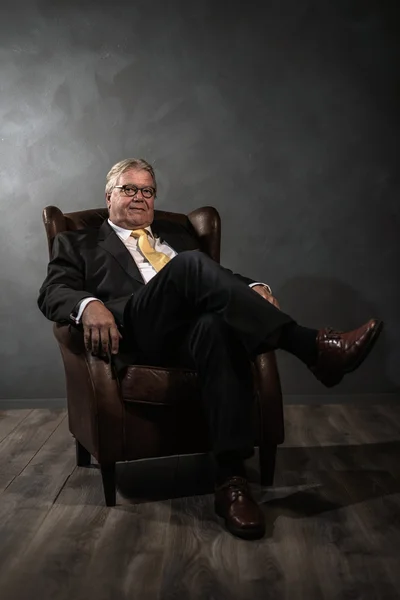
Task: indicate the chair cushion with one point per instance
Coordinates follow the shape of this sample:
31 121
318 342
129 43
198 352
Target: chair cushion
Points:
159 385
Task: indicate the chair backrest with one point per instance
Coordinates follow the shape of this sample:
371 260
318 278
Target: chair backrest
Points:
204 222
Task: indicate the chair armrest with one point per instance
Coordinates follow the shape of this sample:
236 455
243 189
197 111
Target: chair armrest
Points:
269 398
95 406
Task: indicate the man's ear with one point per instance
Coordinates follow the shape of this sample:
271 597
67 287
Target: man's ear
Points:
108 196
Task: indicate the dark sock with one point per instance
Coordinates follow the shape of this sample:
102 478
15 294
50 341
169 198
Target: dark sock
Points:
229 465
300 341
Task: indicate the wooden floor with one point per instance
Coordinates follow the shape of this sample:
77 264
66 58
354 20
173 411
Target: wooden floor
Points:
333 517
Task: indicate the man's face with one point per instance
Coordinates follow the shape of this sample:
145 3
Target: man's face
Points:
131 212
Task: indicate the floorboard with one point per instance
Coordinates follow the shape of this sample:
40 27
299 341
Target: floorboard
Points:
25 440
333 516
28 498
10 419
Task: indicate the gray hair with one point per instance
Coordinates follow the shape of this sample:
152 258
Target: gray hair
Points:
124 165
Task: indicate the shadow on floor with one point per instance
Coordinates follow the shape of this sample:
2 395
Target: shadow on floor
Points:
308 482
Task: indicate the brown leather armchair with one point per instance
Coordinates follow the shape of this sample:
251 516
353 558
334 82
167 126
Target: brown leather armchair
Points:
151 411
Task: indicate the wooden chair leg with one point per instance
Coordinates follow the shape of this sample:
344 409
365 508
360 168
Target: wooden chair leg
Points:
82 455
109 483
267 456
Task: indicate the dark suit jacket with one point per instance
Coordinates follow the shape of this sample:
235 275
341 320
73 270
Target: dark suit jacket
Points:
95 262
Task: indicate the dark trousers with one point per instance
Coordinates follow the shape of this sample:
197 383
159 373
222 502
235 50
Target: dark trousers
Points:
197 314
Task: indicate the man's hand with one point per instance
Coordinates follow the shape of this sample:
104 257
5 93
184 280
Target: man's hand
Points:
260 289
99 329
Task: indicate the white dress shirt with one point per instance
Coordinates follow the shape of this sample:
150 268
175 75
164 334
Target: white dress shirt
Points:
146 270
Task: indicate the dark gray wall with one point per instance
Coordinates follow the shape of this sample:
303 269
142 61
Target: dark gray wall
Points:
283 114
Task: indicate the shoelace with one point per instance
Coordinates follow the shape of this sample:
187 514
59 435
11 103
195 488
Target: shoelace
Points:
333 332
237 485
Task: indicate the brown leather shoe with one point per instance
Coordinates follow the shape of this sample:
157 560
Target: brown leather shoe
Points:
340 353
234 503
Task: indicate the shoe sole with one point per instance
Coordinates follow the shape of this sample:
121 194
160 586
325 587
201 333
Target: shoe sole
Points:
249 534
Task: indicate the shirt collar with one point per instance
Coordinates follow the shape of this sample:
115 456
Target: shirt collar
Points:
124 234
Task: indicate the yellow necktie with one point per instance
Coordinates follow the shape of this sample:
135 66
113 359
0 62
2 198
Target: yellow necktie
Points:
158 260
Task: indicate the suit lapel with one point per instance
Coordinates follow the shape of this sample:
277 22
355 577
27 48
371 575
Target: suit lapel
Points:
110 242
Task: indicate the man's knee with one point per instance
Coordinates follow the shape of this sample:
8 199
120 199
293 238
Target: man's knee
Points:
188 259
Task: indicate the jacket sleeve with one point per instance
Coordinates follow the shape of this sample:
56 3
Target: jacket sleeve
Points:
246 280
64 286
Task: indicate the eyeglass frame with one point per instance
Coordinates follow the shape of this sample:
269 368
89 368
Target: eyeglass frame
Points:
138 189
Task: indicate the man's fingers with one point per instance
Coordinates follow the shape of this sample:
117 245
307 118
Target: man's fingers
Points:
95 337
101 334
115 336
87 338
101 339
104 340
275 302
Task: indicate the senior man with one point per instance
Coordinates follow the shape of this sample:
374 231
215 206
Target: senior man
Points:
142 290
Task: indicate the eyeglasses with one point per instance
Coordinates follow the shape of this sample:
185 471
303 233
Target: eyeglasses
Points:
132 190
